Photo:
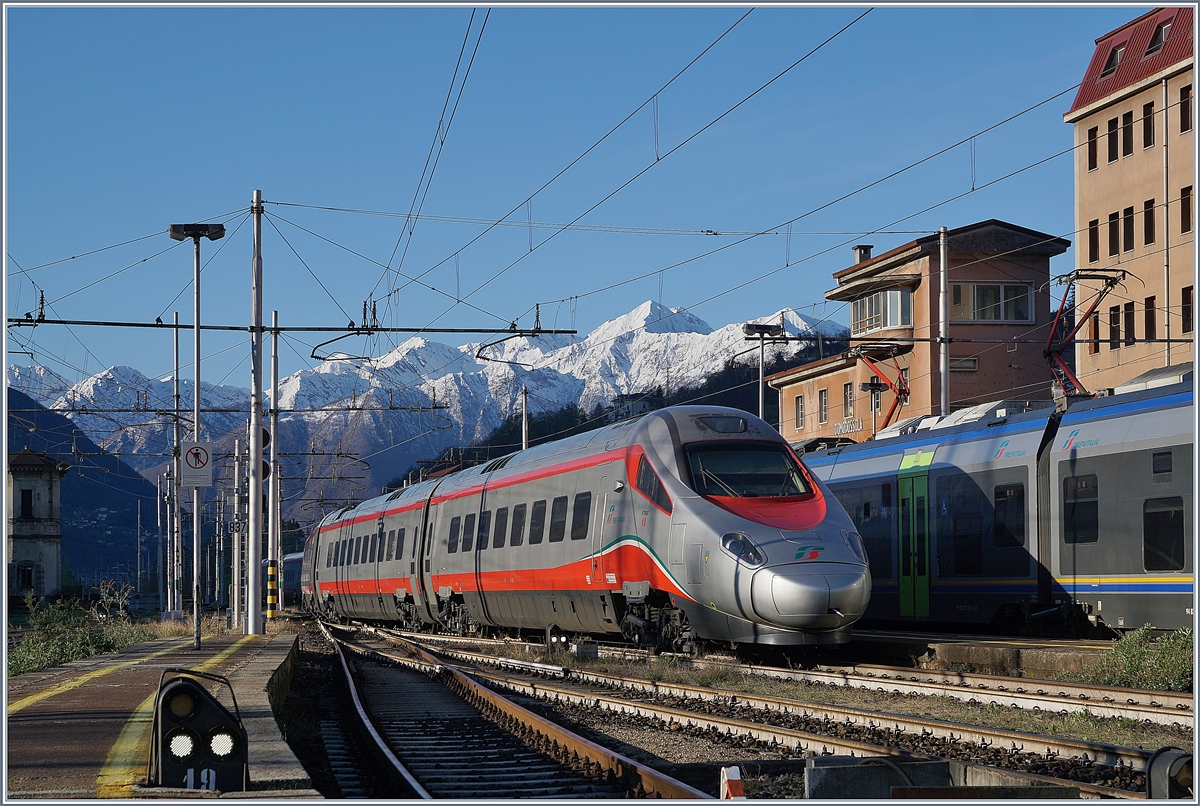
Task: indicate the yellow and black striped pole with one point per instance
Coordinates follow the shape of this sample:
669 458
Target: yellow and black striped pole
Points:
272 588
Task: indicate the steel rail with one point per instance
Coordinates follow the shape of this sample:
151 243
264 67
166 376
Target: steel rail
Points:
640 780
369 726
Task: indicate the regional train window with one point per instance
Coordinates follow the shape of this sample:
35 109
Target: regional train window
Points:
1010 515
452 540
968 543
501 530
329 556
485 523
391 544
1081 512
518 527
580 516
400 545
1162 534
558 519
537 522
1161 467
468 532
649 485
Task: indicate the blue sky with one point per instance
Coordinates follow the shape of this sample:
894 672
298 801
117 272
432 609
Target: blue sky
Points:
121 121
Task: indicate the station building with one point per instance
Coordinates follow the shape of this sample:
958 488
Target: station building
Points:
34 545
999 318
1134 210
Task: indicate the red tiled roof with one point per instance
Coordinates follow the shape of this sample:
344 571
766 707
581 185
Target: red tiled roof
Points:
1135 64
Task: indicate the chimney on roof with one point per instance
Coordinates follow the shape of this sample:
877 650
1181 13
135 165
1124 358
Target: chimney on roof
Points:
862 252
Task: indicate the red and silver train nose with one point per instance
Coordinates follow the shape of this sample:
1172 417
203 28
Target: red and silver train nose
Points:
813 596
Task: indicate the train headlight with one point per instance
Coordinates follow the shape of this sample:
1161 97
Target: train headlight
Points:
743 548
854 542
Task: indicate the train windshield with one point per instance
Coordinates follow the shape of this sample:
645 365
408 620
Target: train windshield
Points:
745 471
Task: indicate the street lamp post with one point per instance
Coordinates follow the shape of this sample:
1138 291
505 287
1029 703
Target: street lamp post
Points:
182 232
752 329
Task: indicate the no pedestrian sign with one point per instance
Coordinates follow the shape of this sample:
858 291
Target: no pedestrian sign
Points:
197 464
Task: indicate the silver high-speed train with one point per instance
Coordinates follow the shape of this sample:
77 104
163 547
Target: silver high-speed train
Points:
687 524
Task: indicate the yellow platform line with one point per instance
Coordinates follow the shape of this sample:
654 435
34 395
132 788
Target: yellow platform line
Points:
76 682
127 759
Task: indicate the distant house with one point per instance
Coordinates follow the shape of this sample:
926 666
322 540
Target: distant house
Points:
626 406
34 545
997 288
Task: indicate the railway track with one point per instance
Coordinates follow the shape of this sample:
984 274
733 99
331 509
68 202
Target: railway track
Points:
1156 707
804 729
448 737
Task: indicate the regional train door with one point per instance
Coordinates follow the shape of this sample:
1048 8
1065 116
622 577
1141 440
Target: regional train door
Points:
914 535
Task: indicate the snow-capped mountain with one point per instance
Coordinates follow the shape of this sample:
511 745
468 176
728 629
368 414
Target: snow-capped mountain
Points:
349 426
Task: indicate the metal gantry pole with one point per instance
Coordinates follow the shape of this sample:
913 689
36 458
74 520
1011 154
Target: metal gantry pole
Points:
273 486
176 492
944 322
254 624
524 418
235 560
138 585
196 514
762 353
158 564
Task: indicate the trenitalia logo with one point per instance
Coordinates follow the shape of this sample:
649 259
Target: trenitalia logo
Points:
809 552
1005 454
1000 452
1083 443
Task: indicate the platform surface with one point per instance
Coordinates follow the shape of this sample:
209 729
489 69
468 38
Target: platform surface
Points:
83 730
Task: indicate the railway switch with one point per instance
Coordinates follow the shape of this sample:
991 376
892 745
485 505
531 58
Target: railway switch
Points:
196 742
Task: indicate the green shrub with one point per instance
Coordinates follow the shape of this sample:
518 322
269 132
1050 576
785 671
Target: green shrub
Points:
64 631
1140 661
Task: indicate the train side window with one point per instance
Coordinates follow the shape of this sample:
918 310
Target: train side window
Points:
342 554
558 519
968 544
485 523
649 485
1010 515
452 540
468 532
581 515
518 526
400 544
1081 512
391 545
501 530
537 522
374 547
360 549
1162 534
329 556
1161 467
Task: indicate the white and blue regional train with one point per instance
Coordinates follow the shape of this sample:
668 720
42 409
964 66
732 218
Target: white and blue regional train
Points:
1014 519
688 524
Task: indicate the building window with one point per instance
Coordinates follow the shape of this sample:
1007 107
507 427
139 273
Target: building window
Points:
1129 317
1148 222
25 577
883 309
905 386
1113 126
822 406
1114 327
991 303
1094 340
1151 318
970 364
1185 309
1114 59
1185 109
799 412
1093 240
1147 125
1127 222
1092 149
1160 36
1185 209
26 503
876 401
1114 234
847 401
1126 134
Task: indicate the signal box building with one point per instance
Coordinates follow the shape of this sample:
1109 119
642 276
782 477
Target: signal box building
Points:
1134 209
998 290
34 545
